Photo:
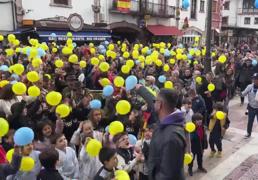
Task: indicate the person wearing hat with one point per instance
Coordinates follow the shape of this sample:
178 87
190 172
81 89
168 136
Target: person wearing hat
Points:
251 92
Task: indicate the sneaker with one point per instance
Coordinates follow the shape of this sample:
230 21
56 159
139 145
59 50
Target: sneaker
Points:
203 170
212 153
219 154
190 172
247 136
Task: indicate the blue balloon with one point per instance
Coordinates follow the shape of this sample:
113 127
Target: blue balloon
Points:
107 129
185 4
103 51
130 82
95 104
149 52
4 68
74 44
13 82
256 4
101 47
162 78
254 62
15 76
137 62
189 56
53 35
41 52
23 136
28 51
108 90
106 42
132 139
167 53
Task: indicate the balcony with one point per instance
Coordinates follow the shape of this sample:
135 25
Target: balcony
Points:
148 8
247 11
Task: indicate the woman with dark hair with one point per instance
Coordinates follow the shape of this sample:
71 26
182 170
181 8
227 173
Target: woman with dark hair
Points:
7 99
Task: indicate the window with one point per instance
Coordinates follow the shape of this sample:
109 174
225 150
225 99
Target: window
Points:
224 20
248 4
202 5
255 20
61 3
226 5
214 6
247 20
193 9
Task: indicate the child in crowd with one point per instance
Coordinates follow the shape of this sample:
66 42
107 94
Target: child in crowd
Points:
28 150
68 165
198 143
217 129
48 160
9 169
126 159
7 140
108 158
187 109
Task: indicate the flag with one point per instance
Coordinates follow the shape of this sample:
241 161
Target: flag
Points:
123 5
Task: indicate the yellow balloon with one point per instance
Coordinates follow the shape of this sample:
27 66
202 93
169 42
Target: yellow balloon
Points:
4 127
195 62
211 87
11 38
125 69
3 83
18 50
123 107
69 35
36 62
166 68
151 91
9 155
172 61
130 63
92 51
179 56
168 85
16 42
69 41
198 53
197 39
94 61
59 63
126 55
188 159
33 52
27 164
222 59
190 127
220 115
54 50
33 76
148 60
93 147
63 110
141 58
33 91
158 63
91 45
53 98
213 54
111 47
101 57
119 81
135 54
104 67
104 82
191 52
18 69
115 127
121 175
73 58
113 55
66 50
198 80
19 88
83 64
1 37
9 52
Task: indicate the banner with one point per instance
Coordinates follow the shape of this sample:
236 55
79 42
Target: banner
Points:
123 5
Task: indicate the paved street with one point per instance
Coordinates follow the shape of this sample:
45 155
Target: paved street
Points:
236 150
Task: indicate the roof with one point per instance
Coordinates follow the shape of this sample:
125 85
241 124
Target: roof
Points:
160 30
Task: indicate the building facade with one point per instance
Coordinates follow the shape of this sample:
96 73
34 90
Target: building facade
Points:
240 22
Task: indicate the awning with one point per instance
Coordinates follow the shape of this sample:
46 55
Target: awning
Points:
160 30
77 36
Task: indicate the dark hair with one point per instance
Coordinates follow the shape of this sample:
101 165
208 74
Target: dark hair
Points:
48 158
55 137
170 97
106 154
219 106
40 127
186 101
7 92
118 136
197 116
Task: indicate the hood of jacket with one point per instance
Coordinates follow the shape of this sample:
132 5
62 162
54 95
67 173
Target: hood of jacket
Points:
175 118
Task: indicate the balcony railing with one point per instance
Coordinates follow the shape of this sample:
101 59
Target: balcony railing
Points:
247 11
148 8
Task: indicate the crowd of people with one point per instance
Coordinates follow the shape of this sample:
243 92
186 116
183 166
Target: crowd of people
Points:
150 107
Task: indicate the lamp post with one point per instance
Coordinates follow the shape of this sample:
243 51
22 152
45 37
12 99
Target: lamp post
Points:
207 62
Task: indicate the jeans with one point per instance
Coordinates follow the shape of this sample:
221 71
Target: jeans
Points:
217 141
199 160
252 112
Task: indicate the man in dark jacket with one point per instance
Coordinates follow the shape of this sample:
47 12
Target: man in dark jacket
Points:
167 148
